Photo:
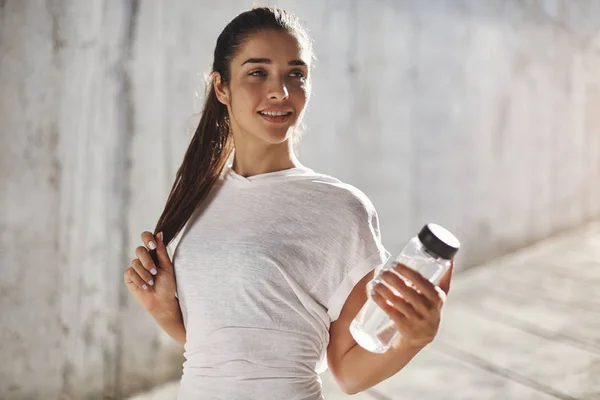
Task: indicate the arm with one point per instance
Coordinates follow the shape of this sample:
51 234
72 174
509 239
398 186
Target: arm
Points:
416 315
354 368
151 280
171 321
362 369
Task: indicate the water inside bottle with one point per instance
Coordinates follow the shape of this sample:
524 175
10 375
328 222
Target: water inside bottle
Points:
377 343
372 328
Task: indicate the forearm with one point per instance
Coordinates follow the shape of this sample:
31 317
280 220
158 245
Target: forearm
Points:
361 369
171 321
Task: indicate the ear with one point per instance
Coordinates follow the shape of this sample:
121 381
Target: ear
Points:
220 90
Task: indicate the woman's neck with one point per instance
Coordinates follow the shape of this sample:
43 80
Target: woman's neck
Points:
249 162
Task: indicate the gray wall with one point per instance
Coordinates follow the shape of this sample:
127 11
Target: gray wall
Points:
481 116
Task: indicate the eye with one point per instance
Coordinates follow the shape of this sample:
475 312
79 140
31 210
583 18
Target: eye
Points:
258 72
297 74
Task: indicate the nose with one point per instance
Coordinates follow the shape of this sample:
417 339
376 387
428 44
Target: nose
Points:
278 90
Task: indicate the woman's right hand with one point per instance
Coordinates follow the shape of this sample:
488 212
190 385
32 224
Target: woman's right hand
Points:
153 286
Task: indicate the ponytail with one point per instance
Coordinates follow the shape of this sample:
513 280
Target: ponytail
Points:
202 165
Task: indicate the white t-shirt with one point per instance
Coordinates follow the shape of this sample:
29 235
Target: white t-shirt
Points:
263 267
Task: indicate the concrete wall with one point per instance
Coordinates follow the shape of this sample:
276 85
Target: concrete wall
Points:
481 116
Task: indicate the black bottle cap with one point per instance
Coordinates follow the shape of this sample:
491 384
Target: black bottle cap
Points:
439 241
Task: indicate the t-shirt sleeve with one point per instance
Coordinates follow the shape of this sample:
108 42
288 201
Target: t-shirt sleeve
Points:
359 252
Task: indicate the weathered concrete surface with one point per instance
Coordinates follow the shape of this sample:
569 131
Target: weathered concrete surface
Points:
71 208
481 116
505 335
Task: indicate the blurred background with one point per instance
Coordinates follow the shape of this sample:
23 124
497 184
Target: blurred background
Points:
482 116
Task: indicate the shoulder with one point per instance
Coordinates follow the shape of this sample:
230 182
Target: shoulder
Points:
342 197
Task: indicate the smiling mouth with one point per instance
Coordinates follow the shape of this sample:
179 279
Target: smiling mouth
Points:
275 117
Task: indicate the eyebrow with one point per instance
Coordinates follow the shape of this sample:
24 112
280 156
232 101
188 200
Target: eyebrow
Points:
269 61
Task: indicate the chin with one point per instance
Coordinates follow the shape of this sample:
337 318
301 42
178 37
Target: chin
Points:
276 139
276 136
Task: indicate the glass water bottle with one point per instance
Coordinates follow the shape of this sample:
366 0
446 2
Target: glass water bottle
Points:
430 253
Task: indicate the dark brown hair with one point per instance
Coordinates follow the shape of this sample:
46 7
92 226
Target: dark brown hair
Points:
212 143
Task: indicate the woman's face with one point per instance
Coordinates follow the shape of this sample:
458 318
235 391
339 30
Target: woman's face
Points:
268 87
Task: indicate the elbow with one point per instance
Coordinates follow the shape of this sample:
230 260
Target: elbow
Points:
350 389
351 392
347 384
183 338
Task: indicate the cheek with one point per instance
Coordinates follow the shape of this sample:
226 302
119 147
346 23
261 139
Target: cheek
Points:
245 100
301 95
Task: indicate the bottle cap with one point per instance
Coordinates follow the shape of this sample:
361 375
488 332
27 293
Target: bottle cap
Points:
439 241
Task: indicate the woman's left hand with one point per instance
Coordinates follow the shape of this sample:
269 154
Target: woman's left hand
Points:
417 311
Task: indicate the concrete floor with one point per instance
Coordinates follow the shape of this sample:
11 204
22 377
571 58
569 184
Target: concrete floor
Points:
526 326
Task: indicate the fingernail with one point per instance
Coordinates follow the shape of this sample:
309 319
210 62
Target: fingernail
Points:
153 271
152 245
160 236
151 282
145 286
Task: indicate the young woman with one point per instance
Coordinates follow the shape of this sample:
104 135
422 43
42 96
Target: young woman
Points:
271 258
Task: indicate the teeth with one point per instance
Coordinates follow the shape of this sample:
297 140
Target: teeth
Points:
274 113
